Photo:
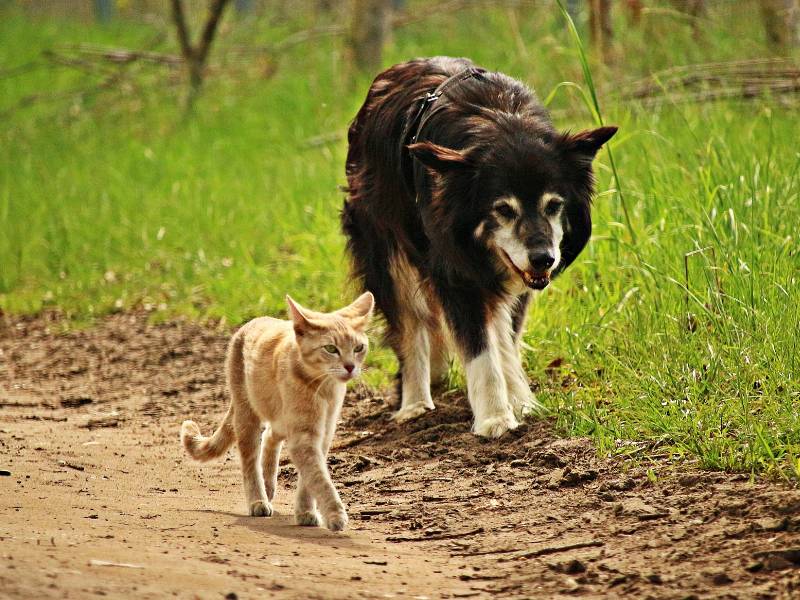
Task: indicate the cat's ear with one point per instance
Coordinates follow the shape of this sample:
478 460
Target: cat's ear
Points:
301 321
360 311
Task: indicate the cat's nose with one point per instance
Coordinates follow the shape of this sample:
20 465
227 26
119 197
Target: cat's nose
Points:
349 367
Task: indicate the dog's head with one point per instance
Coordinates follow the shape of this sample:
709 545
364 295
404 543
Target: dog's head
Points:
523 195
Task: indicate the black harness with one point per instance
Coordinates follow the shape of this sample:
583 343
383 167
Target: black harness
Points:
423 113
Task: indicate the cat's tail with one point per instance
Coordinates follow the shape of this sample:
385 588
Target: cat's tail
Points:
207 448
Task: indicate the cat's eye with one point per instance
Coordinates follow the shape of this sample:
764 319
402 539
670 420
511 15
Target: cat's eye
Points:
358 349
553 206
331 349
505 211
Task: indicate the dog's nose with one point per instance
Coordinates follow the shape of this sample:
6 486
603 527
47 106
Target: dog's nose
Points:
541 261
349 367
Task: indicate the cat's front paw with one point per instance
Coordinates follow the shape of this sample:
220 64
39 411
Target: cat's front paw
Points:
494 427
259 508
309 518
337 521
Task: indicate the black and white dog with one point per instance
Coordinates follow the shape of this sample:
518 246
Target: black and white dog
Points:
462 197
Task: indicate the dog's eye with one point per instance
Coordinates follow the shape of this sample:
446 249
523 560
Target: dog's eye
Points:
505 211
358 349
331 349
553 206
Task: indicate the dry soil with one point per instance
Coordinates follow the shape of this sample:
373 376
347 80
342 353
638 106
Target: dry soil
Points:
98 499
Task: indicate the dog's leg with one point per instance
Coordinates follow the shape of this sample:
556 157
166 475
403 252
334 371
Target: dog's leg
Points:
510 323
415 352
478 342
440 356
488 391
411 339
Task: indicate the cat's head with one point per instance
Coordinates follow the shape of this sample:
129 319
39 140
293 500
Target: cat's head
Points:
333 344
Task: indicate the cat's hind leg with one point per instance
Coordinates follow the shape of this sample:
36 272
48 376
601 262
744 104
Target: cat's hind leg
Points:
270 460
248 434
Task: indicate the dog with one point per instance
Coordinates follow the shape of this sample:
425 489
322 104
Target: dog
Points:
462 199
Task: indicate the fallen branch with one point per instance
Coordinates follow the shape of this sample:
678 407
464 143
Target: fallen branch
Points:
486 552
120 55
554 550
441 536
715 81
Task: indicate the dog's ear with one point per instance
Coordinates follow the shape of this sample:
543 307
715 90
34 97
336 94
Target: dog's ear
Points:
587 143
438 157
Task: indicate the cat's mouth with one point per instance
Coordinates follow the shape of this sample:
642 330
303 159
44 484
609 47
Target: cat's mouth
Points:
345 377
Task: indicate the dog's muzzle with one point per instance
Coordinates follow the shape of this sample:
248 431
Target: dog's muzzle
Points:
536 280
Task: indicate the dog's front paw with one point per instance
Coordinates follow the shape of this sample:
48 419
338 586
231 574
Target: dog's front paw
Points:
494 427
412 412
308 518
337 521
260 508
525 404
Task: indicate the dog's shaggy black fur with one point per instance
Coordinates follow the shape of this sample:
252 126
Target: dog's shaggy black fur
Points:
421 184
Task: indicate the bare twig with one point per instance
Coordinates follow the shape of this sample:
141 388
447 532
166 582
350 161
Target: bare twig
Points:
487 552
210 29
554 550
442 536
713 81
122 55
22 69
182 29
196 56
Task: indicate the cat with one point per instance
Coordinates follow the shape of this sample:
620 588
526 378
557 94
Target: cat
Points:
290 375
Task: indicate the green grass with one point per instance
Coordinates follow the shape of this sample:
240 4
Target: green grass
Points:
113 201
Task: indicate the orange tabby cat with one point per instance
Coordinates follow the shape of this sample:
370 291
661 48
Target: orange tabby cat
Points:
291 376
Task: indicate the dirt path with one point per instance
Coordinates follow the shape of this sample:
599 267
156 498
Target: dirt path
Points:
89 432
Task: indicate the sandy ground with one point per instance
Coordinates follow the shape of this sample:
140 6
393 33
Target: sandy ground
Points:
93 474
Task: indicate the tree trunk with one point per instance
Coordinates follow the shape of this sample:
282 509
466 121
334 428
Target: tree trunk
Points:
780 22
634 11
600 26
369 26
196 56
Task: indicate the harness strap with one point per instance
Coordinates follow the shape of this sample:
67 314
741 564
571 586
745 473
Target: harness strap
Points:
423 114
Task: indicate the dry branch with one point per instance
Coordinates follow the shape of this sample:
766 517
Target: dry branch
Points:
119 55
554 550
714 81
439 536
